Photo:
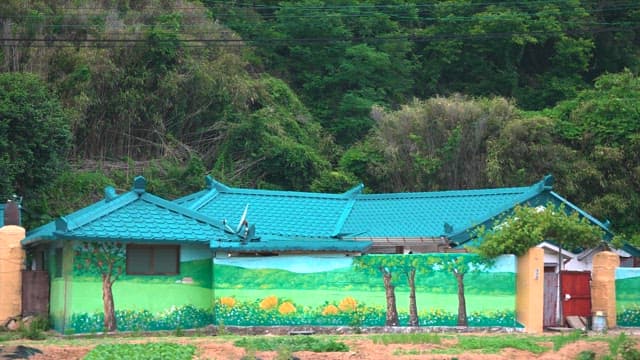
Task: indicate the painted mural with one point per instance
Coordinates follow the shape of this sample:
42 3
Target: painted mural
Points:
141 302
329 290
627 301
371 290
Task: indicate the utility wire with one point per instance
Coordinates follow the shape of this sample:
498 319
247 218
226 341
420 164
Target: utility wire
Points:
102 11
203 42
252 5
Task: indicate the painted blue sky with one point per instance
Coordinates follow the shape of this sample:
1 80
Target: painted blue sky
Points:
312 264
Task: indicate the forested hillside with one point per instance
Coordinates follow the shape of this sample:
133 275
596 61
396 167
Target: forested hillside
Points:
319 96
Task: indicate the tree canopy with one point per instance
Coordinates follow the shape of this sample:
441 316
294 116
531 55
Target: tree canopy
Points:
34 134
528 226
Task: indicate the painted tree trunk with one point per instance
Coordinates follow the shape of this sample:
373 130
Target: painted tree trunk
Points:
109 309
413 307
462 304
390 292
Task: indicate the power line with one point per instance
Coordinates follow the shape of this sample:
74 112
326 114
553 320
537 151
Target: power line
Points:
102 11
252 5
204 42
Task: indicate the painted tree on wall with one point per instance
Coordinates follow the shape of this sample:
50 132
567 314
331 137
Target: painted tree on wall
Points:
459 265
106 259
408 266
382 265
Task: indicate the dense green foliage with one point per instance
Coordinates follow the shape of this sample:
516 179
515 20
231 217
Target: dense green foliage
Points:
34 134
148 351
320 95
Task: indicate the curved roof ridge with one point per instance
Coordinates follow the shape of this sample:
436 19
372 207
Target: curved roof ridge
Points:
445 193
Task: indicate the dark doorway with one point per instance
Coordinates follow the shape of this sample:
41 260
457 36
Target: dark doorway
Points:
35 293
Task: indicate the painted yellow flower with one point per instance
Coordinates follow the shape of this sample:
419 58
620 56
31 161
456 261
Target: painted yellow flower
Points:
228 301
348 304
268 303
330 310
286 308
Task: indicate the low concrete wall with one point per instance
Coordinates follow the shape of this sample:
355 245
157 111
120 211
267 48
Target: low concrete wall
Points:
11 265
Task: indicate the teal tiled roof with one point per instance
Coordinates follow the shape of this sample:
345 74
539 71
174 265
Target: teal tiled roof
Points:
135 216
280 213
147 218
424 214
294 221
138 216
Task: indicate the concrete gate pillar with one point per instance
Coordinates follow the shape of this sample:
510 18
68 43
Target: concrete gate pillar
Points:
530 290
603 285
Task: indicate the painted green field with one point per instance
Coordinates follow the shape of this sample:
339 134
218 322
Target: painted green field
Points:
425 301
627 301
87 296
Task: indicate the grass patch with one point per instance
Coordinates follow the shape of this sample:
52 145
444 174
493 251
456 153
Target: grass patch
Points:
562 340
291 343
417 338
148 351
493 344
9 335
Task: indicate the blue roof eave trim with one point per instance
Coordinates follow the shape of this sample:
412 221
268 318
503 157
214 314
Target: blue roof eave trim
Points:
292 245
128 240
584 214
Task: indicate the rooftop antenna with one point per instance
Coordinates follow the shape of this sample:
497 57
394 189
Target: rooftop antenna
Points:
243 219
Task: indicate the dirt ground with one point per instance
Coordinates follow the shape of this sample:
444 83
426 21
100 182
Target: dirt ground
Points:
360 347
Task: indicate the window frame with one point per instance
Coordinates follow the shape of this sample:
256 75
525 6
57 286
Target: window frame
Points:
153 248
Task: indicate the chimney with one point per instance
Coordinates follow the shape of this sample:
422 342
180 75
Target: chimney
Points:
12 213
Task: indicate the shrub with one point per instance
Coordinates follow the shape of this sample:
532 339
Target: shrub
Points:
348 304
269 303
287 308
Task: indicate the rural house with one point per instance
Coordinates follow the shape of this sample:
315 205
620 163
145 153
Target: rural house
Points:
235 256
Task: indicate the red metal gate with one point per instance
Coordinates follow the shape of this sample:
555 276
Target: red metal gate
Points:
576 293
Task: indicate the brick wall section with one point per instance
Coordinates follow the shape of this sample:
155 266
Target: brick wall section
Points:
603 285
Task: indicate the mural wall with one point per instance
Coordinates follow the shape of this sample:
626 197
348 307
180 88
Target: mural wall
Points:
627 300
142 302
330 290
371 290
